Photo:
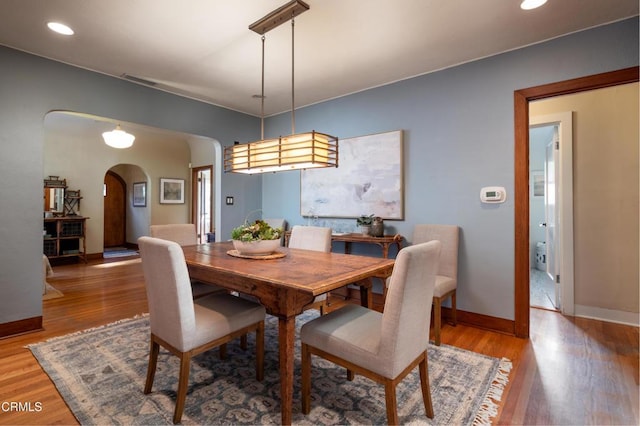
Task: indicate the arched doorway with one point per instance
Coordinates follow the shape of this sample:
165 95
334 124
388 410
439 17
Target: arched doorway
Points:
115 210
78 134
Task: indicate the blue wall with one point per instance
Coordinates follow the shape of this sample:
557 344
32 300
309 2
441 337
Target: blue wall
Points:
30 87
458 137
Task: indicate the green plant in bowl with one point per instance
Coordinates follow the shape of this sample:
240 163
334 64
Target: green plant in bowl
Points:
257 231
365 222
256 239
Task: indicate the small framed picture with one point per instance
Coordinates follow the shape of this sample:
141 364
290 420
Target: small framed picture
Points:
139 194
538 183
171 191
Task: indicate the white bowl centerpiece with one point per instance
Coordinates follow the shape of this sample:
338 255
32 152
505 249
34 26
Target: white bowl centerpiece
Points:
256 239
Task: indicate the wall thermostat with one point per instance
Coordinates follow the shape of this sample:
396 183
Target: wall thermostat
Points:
493 194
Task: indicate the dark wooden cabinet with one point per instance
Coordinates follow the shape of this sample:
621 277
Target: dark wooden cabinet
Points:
65 237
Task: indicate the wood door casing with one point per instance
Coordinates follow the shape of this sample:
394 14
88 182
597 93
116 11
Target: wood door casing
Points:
198 197
115 211
521 174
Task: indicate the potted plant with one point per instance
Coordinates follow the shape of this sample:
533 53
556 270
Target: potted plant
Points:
365 222
257 238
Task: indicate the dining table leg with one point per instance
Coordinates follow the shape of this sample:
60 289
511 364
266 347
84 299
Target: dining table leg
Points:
286 338
366 293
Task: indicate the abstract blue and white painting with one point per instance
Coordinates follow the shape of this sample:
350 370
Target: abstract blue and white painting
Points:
368 180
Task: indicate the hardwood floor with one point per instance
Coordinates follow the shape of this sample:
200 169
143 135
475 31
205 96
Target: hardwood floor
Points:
571 371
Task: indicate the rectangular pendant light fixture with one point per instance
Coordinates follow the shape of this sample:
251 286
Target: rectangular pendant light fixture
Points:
301 151
297 151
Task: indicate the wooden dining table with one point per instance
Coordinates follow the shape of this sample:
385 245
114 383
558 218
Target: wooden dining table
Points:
285 285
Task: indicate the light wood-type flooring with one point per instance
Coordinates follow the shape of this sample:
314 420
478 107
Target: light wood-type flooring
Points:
571 371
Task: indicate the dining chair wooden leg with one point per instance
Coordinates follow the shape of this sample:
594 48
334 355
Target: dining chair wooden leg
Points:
390 398
259 351
437 319
154 348
183 384
243 342
426 388
306 379
223 351
350 375
453 308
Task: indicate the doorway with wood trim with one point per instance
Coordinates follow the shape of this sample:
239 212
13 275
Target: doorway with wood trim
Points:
522 98
115 210
202 203
126 209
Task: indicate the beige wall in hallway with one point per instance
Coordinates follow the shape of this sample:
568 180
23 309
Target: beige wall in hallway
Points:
606 194
74 150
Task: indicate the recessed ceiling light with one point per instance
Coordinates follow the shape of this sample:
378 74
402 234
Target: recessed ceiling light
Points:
60 28
531 4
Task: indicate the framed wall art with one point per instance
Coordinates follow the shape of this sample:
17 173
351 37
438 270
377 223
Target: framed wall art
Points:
139 194
368 180
171 191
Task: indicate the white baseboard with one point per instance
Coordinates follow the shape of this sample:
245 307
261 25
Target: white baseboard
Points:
609 315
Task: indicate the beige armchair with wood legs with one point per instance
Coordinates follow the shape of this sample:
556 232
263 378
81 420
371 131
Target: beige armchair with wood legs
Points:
315 238
187 327
447 276
384 347
185 235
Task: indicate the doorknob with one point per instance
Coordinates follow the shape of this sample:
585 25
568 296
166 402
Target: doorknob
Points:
542 224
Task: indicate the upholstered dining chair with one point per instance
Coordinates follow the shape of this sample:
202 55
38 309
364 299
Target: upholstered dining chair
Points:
186 327
184 234
387 346
317 238
447 276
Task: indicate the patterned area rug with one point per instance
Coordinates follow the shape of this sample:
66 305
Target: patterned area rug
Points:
100 373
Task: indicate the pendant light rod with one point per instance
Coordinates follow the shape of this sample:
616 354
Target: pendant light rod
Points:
279 16
293 99
262 95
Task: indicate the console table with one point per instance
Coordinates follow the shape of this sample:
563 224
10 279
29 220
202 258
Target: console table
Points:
384 242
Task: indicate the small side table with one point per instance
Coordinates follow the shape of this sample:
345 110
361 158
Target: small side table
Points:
384 242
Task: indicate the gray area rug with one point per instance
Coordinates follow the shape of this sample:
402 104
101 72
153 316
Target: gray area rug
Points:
100 373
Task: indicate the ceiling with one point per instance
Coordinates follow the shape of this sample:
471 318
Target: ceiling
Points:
204 50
